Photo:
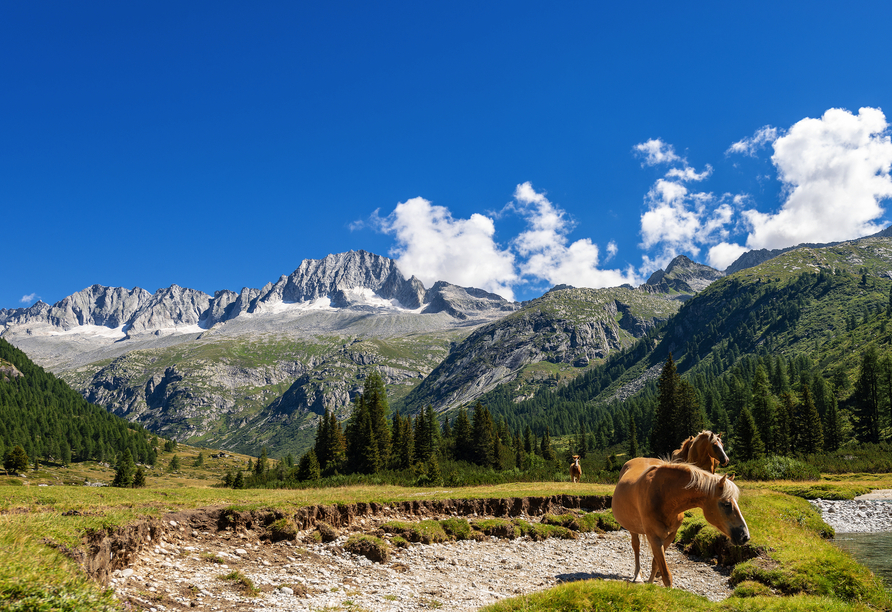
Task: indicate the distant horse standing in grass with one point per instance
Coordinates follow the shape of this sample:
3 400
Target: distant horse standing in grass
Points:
575 470
652 495
705 450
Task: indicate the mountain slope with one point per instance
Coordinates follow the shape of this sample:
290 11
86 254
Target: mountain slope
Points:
51 422
233 368
821 306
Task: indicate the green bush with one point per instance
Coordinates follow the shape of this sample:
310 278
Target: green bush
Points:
777 468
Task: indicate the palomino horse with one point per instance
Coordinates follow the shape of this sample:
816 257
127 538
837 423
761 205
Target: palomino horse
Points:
575 470
705 450
652 495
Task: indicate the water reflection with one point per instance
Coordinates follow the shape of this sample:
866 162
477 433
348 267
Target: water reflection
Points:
873 550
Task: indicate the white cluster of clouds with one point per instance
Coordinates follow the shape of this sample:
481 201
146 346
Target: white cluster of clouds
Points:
433 245
834 172
27 299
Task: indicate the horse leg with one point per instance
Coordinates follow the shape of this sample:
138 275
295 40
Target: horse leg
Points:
636 546
659 565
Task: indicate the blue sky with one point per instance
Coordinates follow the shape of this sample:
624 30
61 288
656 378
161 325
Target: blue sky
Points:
508 146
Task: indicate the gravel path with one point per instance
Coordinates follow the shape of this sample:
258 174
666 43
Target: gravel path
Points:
184 572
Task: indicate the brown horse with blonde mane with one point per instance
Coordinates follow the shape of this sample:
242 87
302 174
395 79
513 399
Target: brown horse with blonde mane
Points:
705 450
652 495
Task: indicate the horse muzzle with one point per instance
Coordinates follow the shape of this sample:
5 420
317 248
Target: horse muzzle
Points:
740 536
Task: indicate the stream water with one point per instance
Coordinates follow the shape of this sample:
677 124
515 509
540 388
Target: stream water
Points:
873 550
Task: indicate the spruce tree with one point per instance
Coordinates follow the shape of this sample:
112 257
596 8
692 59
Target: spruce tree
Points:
867 399
124 473
321 447
308 467
239 481
260 466
464 437
662 437
16 460
483 435
545 448
376 400
763 407
174 465
139 478
633 439
811 436
785 420
832 426
749 444
689 418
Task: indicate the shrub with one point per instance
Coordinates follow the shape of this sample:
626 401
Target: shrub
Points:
777 468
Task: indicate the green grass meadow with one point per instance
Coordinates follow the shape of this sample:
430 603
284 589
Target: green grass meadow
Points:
797 568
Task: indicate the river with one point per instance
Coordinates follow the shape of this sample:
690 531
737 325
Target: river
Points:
873 550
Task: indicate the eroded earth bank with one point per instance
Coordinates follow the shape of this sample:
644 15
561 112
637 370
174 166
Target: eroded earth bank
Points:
218 559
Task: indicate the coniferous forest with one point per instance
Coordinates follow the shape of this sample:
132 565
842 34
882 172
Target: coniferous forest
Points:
50 422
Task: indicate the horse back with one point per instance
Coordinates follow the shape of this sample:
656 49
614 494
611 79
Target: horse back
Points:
632 495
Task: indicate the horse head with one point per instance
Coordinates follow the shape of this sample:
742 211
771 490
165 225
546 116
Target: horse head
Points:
707 451
722 511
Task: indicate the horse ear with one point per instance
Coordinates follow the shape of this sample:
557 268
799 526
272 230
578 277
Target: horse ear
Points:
731 477
721 484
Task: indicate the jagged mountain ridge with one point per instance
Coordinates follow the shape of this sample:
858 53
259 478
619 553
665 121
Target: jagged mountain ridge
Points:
240 370
344 280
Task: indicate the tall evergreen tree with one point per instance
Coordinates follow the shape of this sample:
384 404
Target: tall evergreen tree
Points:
763 407
689 419
308 467
376 401
545 447
662 437
811 436
125 471
633 440
464 437
749 444
484 433
867 399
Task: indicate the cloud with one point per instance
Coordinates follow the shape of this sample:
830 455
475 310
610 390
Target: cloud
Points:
689 174
749 146
835 173
546 252
655 151
434 246
724 254
27 299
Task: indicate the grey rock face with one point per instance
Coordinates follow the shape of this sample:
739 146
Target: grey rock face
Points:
684 276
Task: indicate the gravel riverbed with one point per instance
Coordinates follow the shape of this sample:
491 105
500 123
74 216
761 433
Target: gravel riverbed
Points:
184 571
865 514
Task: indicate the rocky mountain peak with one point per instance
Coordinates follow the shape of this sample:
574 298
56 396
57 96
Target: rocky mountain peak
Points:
684 275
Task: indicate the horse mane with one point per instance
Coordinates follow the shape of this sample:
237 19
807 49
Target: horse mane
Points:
707 482
683 454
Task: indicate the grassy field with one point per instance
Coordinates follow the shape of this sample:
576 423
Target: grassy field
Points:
798 570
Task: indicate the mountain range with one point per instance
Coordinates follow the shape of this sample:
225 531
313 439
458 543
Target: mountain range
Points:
241 370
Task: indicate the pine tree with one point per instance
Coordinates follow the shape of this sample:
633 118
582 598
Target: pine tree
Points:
308 467
763 407
832 426
321 447
867 399
483 435
633 439
174 465
124 473
199 460
545 448
239 480
260 466
464 437
376 401
139 478
784 421
690 418
16 460
811 436
662 437
749 444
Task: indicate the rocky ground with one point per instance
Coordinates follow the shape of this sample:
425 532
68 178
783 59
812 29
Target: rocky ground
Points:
865 514
189 569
